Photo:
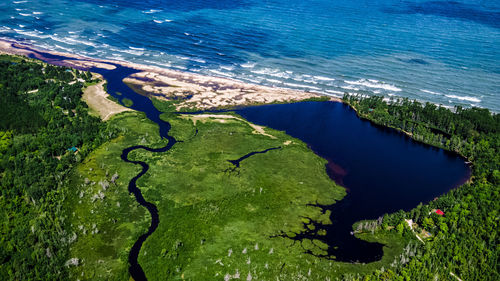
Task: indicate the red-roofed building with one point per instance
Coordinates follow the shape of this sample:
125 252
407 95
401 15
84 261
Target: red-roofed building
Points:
439 212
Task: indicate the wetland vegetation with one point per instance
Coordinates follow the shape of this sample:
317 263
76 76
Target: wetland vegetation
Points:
68 215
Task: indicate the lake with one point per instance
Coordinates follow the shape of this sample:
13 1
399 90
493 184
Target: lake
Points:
382 170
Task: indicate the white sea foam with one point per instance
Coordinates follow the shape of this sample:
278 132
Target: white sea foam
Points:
431 92
152 11
217 72
273 81
272 72
24 15
198 60
132 52
248 65
350 87
135 48
19 2
158 21
371 83
227 67
4 29
164 64
167 20
255 81
69 50
334 92
37 13
263 71
466 98
36 33
294 85
322 78
72 40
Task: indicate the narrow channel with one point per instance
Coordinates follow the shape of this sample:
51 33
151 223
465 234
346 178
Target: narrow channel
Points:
114 79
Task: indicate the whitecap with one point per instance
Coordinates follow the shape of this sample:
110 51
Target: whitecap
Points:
227 67
466 98
198 60
37 13
271 72
19 2
273 81
371 83
255 81
152 11
64 48
334 92
158 21
71 40
301 86
350 87
217 72
431 92
24 15
135 48
323 78
248 65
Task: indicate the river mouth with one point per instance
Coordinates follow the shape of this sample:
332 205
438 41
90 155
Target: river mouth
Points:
382 170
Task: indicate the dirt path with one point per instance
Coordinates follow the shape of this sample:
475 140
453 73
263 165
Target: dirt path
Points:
98 101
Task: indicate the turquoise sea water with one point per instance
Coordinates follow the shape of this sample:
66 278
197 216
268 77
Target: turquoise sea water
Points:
445 52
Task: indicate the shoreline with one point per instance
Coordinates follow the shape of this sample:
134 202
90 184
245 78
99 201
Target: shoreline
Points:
195 90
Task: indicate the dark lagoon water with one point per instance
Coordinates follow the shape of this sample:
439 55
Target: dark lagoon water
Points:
383 170
432 50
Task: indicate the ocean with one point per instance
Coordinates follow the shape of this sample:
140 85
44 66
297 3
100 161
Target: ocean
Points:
445 52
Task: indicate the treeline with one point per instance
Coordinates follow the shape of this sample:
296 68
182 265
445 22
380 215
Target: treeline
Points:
463 243
45 129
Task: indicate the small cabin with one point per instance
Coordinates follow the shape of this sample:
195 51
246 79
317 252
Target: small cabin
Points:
439 212
73 149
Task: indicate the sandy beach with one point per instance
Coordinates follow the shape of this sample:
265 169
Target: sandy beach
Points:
194 90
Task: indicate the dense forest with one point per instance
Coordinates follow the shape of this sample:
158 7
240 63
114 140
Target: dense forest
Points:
462 243
45 129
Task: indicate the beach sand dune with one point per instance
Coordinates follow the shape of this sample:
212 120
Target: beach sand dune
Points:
194 90
97 99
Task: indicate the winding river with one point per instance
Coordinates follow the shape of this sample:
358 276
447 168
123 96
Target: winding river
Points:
141 103
382 170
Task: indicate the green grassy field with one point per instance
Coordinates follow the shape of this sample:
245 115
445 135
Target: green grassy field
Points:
216 221
107 220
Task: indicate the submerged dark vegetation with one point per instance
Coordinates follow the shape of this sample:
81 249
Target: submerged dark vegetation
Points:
52 196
